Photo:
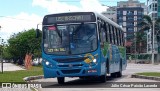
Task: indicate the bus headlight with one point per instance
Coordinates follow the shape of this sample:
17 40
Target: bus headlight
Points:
47 63
95 60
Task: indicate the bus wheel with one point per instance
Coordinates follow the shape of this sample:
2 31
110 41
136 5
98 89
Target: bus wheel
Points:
119 74
103 78
82 78
60 80
114 75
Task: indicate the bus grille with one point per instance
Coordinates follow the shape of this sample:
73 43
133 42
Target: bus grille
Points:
70 71
74 65
67 60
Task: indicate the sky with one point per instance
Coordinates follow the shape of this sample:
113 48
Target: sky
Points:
20 15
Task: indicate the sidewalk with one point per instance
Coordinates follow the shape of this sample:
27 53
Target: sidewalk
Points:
10 67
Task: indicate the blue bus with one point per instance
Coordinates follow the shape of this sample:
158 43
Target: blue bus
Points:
82 44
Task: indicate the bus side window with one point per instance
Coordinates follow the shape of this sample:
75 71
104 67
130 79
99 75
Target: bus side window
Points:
113 34
102 36
117 36
123 39
108 32
106 29
99 26
102 33
120 37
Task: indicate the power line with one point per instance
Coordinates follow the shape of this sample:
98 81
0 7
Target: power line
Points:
101 1
98 0
15 18
79 1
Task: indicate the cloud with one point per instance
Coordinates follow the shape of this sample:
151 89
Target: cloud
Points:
55 6
18 23
24 21
92 5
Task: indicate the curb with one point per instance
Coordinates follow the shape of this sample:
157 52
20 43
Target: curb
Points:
145 77
28 79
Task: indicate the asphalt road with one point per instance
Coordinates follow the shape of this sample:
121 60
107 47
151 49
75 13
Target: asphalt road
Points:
76 84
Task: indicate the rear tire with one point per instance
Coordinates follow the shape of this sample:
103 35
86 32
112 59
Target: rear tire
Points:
114 75
107 66
119 74
82 78
60 80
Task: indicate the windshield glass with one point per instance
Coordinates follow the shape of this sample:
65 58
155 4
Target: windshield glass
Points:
70 39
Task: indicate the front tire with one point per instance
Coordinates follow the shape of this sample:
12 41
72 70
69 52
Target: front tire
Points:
60 80
103 78
113 75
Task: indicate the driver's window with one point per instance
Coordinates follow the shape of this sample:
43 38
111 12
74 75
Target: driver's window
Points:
54 38
102 35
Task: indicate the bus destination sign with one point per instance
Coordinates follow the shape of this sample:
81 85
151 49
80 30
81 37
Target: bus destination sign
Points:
73 18
69 18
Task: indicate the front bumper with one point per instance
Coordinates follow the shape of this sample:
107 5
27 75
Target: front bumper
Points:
71 71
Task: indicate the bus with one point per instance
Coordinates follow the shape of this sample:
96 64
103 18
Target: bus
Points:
82 44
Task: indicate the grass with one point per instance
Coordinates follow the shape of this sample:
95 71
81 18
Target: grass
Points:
17 76
156 74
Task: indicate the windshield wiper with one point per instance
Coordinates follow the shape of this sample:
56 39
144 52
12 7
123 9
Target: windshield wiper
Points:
58 32
71 37
78 28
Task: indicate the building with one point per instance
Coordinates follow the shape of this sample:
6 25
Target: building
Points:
149 42
129 15
153 10
111 13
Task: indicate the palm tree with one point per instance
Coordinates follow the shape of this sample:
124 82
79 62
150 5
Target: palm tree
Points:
147 23
141 41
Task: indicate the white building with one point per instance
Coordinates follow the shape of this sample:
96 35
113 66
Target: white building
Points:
152 10
111 13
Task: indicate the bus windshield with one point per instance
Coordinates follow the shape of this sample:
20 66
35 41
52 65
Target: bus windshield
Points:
70 39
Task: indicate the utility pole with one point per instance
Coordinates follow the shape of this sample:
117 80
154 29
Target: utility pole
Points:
135 47
134 39
1 52
2 57
153 50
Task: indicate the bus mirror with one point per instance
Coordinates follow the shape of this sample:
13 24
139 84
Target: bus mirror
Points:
37 33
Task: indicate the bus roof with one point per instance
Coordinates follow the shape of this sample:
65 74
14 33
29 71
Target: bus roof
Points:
108 20
97 15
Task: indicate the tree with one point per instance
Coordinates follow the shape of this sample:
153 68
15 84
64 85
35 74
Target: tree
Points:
147 24
141 42
22 43
6 54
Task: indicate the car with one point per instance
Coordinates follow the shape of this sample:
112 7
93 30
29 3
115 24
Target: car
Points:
36 62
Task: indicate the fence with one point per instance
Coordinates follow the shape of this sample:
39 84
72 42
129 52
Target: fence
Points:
142 58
